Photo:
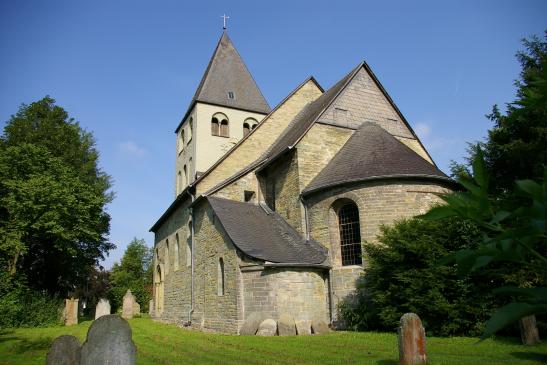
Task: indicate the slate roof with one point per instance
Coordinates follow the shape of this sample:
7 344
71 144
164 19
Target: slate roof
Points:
265 235
371 153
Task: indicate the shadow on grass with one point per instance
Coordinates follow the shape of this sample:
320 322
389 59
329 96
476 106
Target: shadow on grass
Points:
532 356
32 345
387 362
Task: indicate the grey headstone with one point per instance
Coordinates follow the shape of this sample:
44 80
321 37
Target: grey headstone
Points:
65 350
250 326
303 327
529 331
128 304
136 308
102 308
109 342
286 325
267 327
411 339
319 327
71 311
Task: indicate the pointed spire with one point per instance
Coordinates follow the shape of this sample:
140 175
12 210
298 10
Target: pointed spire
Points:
228 82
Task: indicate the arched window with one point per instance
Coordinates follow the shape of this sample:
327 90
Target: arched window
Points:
246 129
219 125
176 253
254 126
190 129
166 256
350 234
185 173
224 130
189 245
251 124
220 280
182 140
179 182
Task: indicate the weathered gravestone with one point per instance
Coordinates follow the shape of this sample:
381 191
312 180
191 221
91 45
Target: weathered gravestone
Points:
128 305
109 342
319 327
65 350
136 308
71 311
529 331
303 327
250 326
103 308
411 336
286 325
267 327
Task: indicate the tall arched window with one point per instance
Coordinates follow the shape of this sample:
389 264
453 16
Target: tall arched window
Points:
189 245
176 253
219 125
251 123
166 256
185 175
190 129
179 182
246 129
220 276
182 140
224 129
350 234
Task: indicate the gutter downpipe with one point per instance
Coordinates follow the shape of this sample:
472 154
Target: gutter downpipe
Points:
191 211
307 228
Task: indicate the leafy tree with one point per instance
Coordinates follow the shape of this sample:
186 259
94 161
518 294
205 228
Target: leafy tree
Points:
403 276
133 272
53 223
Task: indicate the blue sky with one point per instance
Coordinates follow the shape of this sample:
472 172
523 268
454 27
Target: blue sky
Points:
126 70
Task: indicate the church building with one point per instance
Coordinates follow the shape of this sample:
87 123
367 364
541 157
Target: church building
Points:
271 206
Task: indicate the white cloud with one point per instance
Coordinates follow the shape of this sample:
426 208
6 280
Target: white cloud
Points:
130 148
423 130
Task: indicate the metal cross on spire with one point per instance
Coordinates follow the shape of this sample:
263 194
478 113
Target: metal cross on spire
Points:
224 17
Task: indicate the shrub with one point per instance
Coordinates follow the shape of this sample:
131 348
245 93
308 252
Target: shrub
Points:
403 275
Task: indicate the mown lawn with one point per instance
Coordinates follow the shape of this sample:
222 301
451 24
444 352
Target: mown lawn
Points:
167 344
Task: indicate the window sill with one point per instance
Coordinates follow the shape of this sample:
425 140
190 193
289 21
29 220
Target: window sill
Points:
216 135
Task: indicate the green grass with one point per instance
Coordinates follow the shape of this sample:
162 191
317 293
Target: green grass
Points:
167 344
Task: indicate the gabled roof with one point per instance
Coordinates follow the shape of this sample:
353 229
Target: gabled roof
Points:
226 72
305 119
263 234
373 153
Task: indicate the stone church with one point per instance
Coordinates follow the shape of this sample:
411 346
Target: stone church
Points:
271 206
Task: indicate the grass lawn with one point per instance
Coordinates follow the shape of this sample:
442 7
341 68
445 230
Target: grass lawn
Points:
167 344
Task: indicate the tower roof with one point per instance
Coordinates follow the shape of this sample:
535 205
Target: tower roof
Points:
228 82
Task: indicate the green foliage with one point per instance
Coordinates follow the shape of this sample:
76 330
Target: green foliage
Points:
23 307
53 223
133 272
403 276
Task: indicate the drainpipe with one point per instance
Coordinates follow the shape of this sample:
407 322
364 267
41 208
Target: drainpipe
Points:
191 211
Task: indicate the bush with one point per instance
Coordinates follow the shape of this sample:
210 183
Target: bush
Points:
403 275
23 307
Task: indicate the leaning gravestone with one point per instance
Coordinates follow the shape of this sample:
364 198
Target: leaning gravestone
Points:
319 327
529 331
103 308
109 342
411 335
71 311
286 325
303 327
65 350
268 327
128 304
250 326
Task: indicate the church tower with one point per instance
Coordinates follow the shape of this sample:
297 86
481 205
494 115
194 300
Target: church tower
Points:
227 105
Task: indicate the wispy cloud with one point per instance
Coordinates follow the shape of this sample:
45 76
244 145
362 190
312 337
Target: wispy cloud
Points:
131 149
431 139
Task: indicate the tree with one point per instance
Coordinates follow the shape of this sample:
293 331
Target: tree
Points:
53 223
403 275
133 272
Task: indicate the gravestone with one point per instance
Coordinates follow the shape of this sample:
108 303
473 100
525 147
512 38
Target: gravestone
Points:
267 327
286 325
411 336
102 308
136 309
319 327
128 304
109 342
250 326
65 350
151 307
71 311
529 331
303 327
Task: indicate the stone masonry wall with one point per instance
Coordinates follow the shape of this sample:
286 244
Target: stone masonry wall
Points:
379 203
300 292
261 138
363 101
